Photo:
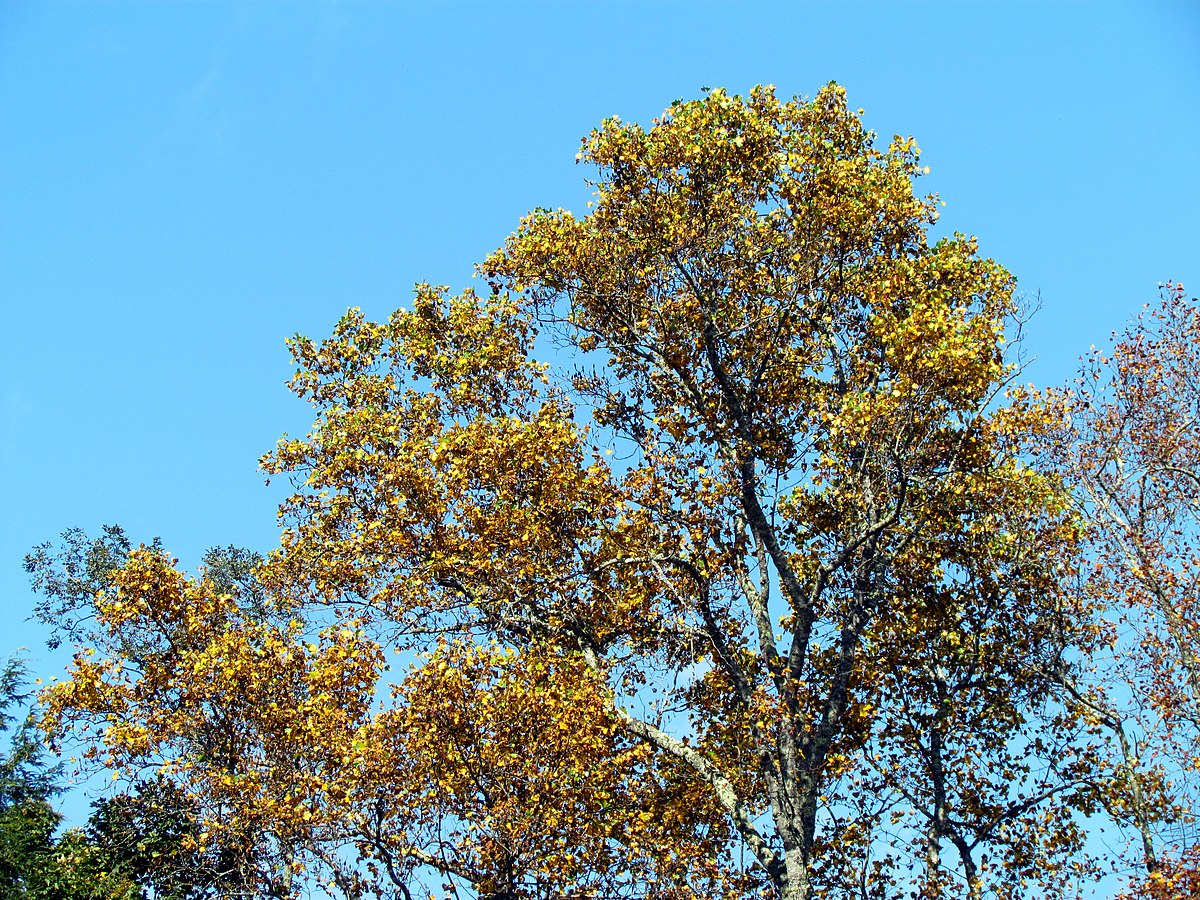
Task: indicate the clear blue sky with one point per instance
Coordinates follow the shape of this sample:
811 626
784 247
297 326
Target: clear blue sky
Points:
183 185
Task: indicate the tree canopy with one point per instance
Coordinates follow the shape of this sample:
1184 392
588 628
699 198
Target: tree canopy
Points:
715 548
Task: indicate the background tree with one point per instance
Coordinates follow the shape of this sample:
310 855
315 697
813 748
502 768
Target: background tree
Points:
1172 879
151 834
1130 449
244 712
34 863
663 654
27 821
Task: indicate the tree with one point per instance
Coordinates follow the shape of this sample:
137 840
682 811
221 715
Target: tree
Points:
682 649
1171 880
150 834
1130 450
27 820
34 865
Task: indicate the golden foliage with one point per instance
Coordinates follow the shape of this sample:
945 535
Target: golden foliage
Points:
686 668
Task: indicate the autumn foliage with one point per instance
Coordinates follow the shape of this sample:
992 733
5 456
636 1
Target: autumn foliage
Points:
706 544
1130 450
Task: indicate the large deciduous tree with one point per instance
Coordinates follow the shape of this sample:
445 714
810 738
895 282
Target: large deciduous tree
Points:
704 534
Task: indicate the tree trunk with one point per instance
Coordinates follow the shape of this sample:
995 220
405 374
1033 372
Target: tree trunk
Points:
796 882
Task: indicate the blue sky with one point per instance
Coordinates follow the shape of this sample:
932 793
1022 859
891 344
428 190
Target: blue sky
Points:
183 185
